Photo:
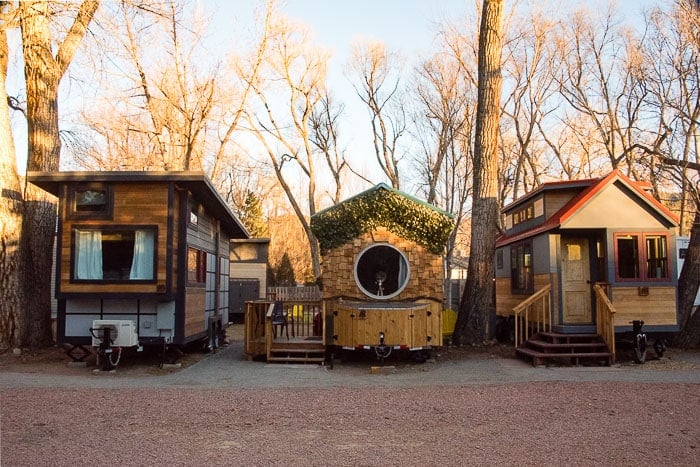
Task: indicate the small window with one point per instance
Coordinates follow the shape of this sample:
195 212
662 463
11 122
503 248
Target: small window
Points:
381 271
657 257
641 257
90 202
521 270
114 254
196 266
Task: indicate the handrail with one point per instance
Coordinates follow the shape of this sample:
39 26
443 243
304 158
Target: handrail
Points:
543 317
605 321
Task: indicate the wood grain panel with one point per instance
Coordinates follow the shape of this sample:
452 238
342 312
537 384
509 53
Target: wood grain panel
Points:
657 308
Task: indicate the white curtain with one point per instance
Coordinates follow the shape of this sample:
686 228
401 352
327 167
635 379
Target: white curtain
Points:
142 263
88 254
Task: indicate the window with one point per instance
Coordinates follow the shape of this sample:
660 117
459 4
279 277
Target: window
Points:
521 271
381 271
641 257
91 201
196 266
114 254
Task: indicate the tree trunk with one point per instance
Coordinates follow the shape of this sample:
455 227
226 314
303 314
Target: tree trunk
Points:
43 72
688 283
10 212
477 300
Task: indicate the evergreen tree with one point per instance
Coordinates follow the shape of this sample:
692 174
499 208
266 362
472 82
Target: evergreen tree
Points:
252 216
284 276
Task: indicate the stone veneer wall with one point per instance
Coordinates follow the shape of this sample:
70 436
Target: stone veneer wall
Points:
426 278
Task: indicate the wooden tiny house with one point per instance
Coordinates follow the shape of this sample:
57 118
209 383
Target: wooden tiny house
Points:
149 247
382 271
578 250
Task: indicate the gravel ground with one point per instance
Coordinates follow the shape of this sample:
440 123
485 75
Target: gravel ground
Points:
468 407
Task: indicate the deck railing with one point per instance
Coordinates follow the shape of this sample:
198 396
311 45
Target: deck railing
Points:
300 294
264 324
605 319
533 314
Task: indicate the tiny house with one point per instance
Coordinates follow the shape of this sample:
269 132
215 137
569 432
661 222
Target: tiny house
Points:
573 241
382 271
150 248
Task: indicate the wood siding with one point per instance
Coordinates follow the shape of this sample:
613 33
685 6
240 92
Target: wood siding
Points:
195 318
657 308
506 301
142 204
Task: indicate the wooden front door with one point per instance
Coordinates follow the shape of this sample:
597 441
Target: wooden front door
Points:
576 275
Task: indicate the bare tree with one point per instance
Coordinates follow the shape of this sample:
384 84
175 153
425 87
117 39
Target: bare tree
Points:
288 93
378 73
45 62
324 124
10 200
477 300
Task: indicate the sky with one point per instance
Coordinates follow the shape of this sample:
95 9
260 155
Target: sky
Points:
405 26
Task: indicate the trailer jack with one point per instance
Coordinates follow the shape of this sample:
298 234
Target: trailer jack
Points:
382 350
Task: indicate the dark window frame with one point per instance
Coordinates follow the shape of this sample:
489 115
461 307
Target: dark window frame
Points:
198 274
642 256
74 212
113 228
522 273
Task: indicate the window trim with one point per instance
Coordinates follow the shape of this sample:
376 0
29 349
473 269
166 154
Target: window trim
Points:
110 227
201 267
530 289
400 287
73 213
642 256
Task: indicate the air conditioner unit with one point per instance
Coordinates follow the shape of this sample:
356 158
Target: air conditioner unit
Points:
122 332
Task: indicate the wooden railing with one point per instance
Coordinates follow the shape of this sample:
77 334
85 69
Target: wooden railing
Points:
264 324
295 294
255 315
605 317
533 314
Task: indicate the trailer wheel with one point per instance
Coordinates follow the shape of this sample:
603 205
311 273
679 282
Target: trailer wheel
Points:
660 347
640 348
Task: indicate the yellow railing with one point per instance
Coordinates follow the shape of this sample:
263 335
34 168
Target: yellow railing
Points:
605 317
533 314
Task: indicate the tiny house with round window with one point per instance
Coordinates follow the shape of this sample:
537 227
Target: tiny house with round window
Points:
382 271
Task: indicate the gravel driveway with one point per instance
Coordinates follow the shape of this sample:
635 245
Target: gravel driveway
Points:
480 409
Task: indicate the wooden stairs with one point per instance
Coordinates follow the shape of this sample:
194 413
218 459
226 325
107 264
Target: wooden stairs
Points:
546 348
306 351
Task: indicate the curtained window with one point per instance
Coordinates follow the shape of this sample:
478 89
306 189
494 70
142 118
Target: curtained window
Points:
114 254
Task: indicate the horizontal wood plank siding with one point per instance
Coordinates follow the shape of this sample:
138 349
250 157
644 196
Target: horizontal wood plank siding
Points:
506 301
134 204
657 308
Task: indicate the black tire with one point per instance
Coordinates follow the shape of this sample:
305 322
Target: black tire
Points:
660 347
640 349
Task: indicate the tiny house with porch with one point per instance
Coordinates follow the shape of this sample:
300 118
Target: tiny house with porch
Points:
579 261
382 284
147 249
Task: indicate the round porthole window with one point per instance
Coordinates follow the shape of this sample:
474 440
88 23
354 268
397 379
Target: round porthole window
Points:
381 271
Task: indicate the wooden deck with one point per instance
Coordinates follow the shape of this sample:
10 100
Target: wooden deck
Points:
285 331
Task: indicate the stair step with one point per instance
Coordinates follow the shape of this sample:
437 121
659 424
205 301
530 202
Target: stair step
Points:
297 350
296 359
566 345
539 357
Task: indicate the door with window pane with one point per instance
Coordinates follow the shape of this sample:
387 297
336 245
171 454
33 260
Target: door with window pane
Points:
576 274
